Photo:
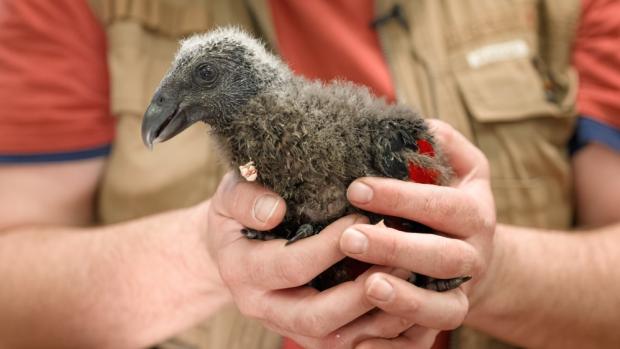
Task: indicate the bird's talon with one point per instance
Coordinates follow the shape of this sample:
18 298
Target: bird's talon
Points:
253 234
304 231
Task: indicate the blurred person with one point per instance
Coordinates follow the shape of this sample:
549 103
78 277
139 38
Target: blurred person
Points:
79 267
498 72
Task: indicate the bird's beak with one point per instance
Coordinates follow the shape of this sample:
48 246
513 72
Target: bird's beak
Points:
162 121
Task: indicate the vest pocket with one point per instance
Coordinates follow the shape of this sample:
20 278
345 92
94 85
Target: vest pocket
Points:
524 134
507 91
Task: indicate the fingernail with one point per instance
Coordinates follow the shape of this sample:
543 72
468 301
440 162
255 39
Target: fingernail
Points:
264 207
380 289
360 192
354 242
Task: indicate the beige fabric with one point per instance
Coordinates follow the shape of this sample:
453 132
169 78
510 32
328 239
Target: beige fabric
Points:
502 105
517 106
184 170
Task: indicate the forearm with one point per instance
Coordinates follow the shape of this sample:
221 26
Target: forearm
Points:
122 286
551 289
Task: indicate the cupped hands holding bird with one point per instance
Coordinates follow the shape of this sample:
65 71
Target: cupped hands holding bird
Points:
378 309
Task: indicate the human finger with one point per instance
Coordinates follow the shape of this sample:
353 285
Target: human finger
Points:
442 208
248 203
429 254
417 337
439 310
272 265
375 324
308 312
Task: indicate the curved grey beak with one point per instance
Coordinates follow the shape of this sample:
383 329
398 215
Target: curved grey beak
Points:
162 120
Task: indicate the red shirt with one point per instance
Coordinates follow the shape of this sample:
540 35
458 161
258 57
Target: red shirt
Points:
596 56
53 78
54 81
332 39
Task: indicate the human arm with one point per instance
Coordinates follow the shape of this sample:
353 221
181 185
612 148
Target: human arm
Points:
551 289
597 190
122 286
574 300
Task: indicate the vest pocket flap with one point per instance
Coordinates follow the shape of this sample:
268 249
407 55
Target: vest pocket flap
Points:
505 91
173 18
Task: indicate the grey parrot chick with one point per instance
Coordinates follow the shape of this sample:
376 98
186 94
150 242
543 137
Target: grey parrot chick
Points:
305 140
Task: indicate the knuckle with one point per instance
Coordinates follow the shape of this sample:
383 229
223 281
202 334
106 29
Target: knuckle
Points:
390 332
390 252
238 197
459 314
484 167
469 260
311 325
333 341
457 258
389 326
479 267
488 223
483 218
395 200
405 304
402 325
443 130
251 308
321 331
440 204
412 307
290 272
302 324
429 204
230 275
453 322
449 263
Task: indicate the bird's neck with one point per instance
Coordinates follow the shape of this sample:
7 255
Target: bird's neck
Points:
241 136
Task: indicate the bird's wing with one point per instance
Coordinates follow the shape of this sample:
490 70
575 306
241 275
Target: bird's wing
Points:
403 149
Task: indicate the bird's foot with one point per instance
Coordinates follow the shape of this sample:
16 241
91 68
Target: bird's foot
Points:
439 285
253 234
304 231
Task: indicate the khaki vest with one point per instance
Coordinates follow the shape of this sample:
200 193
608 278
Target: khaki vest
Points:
499 71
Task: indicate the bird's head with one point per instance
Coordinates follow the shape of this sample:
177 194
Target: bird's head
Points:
212 77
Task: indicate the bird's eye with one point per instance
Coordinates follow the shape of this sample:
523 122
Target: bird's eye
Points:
207 73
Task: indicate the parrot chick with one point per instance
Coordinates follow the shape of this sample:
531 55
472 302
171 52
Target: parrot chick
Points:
305 140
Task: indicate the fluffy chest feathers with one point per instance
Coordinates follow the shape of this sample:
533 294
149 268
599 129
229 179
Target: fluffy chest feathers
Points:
308 142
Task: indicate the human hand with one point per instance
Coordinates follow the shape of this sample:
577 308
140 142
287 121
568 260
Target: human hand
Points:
463 212
267 279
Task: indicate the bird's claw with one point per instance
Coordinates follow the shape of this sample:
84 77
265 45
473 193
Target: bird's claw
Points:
304 231
253 234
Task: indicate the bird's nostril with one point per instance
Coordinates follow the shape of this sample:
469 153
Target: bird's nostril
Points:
160 99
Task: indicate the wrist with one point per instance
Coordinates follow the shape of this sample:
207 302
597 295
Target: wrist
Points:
481 294
201 265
